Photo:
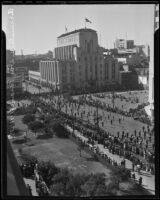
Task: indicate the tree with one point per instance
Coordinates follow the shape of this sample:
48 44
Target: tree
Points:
10 125
61 178
59 129
16 131
35 126
94 185
48 171
28 118
57 189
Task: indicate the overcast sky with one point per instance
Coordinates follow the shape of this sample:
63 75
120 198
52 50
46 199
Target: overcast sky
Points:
36 27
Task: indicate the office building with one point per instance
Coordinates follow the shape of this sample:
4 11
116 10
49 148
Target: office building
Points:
120 44
130 44
78 63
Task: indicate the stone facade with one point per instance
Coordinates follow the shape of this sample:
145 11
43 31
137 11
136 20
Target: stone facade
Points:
79 62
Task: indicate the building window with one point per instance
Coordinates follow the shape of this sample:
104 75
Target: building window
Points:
88 47
113 70
86 44
107 71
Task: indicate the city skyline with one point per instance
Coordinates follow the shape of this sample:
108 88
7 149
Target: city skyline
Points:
36 28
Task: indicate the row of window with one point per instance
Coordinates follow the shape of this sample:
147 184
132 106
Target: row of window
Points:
67 40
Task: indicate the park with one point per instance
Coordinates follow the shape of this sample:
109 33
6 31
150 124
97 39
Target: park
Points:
65 152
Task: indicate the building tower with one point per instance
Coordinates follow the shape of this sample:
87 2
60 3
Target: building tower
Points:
151 63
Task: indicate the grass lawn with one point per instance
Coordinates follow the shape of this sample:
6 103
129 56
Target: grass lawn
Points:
19 124
64 153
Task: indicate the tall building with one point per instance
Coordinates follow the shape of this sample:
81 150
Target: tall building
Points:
150 109
78 62
123 44
130 44
120 44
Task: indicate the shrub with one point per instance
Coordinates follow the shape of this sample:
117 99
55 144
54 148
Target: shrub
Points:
35 126
48 170
60 130
122 173
28 118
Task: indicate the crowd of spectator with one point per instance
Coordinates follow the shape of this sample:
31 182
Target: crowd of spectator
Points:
30 170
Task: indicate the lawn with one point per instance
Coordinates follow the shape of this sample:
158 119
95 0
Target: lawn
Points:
65 153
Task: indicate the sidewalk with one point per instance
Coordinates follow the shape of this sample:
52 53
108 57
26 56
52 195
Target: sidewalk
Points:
148 180
32 184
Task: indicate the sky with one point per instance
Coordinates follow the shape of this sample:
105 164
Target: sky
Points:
36 27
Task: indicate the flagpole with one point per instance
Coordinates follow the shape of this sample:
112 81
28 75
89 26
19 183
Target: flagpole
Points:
85 23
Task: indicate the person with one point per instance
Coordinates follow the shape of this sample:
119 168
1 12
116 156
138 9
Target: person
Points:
133 166
133 176
138 168
29 189
140 180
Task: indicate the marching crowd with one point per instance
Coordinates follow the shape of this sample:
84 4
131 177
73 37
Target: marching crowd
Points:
138 143
131 146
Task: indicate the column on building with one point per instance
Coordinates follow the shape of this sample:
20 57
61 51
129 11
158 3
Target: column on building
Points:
45 68
109 70
67 52
50 71
55 67
62 49
72 56
59 55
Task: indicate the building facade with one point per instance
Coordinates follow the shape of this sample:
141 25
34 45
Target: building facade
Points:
34 76
130 44
120 44
14 84
78 63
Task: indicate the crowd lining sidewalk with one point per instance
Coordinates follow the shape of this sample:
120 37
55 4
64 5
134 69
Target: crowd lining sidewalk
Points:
148 180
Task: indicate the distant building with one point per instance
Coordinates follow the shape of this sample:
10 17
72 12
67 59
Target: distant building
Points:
10 55
34 76
122 60
14 85
128 79
143 50
150 109
111 70
130 44
143 75
21 71
120 44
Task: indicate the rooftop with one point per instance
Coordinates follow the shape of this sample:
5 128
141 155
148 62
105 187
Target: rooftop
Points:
76 31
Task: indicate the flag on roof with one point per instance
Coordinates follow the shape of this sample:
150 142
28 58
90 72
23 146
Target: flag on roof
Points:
87 20
66 30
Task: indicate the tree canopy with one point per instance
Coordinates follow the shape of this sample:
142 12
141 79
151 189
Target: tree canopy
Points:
35 126
28 118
